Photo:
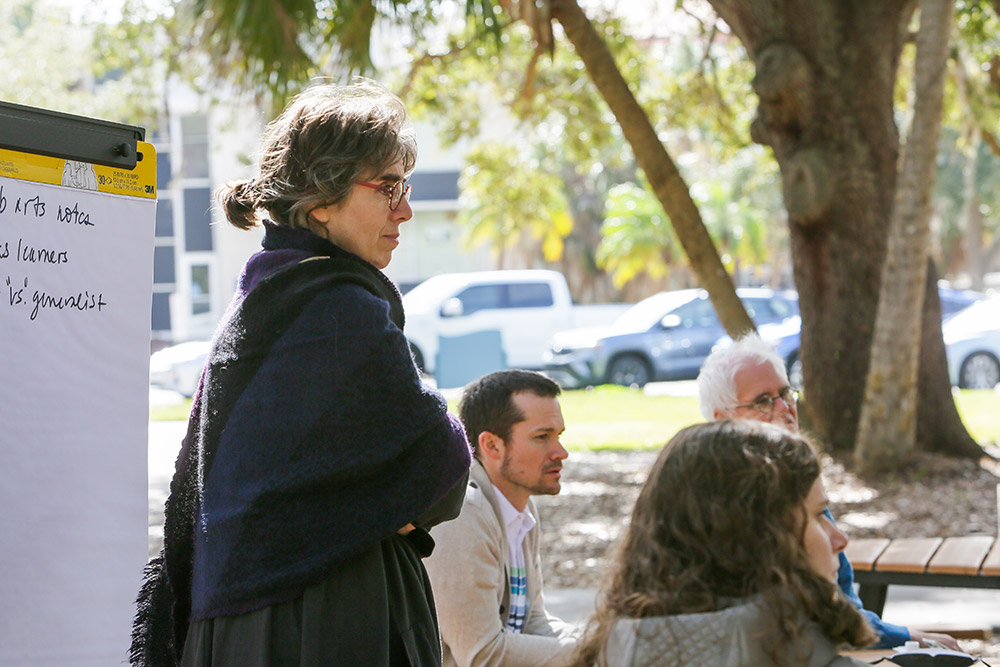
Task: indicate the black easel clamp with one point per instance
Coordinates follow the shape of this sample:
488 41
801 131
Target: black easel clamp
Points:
68 136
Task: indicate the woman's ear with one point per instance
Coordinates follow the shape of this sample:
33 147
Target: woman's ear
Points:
320 215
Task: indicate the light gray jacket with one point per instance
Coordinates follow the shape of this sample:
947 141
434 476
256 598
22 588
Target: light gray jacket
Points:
732 637
469 577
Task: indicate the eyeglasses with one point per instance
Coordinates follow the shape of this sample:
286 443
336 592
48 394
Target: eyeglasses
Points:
765 403
396 192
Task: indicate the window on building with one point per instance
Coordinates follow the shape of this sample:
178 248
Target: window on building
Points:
197 219
201 296
194 138
163 264
161 311
164 217
163 173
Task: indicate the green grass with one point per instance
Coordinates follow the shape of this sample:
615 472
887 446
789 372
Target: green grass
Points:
980 411
609 417
166 413
620 418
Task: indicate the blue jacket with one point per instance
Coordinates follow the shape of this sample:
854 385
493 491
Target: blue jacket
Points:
889 634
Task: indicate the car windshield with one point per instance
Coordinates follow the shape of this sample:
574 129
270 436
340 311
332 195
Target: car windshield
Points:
980 316
651 310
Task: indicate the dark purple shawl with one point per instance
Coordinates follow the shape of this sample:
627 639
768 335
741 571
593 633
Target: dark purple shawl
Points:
311 438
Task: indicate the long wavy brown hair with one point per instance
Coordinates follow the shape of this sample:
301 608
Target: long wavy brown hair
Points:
722 516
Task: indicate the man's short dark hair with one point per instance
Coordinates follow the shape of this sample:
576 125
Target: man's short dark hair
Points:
486 403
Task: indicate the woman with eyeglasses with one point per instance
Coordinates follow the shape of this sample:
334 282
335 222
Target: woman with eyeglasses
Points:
729 560
315 459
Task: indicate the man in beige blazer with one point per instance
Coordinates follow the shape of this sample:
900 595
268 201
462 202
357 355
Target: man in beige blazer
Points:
485 570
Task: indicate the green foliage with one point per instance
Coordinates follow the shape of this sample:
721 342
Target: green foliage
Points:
507 196
459 84
739 200
559 133
701 84
973 92
636 236
971 100
61 66
950 195
698 83
270 47
274 49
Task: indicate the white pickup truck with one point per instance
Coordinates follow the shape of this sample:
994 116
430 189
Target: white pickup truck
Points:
526 306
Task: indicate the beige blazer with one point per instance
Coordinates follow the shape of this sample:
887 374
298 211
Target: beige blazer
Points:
468 572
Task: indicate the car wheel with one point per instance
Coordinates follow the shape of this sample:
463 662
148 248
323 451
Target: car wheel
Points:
980 370
794 368
629 370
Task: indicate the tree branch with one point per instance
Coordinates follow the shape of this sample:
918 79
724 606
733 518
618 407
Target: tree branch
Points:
652 157
426 59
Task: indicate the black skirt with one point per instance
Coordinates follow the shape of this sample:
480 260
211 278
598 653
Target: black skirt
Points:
376 609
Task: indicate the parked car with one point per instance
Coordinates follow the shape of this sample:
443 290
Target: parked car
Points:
178 367
955 300
785 336
972 345
664 337
526 306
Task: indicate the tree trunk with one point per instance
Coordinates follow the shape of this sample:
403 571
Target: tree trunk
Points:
972 217
825 76
661 171
939 426
887 431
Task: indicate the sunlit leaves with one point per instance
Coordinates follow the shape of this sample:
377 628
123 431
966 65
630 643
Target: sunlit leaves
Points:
637 237
275 48
739 200
59 65
509 200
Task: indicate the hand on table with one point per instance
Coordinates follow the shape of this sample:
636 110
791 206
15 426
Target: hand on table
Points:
925 638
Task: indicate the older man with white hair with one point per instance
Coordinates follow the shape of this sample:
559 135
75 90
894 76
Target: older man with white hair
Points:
747 380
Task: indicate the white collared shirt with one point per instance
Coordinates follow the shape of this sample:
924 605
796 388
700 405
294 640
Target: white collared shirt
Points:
518 524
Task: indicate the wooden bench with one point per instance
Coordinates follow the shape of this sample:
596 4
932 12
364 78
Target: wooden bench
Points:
957 562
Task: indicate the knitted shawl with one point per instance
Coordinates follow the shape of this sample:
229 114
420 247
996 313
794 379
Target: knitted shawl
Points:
310 439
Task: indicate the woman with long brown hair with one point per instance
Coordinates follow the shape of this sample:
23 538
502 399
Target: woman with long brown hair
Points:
729 560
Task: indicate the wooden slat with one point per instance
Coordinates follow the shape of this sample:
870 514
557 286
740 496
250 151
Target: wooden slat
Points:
910 554
864 552
961 555
991 565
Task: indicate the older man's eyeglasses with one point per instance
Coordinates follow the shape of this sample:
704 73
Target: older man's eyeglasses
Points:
396 192
765 403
